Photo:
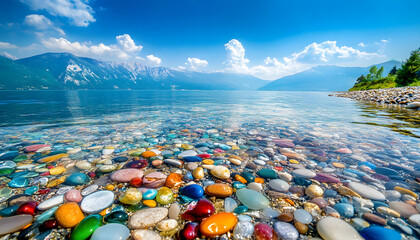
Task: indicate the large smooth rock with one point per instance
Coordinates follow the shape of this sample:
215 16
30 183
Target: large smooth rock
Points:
285 231
380 233
97 201
147 217
405 209
111 231
125 175
331 228
279 185
15 223
52 202
252 199
366 191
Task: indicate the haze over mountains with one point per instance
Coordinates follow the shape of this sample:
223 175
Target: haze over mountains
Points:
67 71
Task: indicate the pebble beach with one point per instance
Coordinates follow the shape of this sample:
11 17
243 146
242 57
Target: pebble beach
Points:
197 176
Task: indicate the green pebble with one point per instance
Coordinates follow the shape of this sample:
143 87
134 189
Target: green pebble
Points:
249 177
267 173
116 217
86 227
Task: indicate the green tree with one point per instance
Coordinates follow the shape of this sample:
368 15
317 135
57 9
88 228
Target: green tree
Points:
372 73
408 71
393 71
361 79
378 73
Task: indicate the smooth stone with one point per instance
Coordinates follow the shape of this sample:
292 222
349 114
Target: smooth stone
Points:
116 217
252 199
392 195
89 189
120 159
270 213
344 209
18 182
145 235
221 172
372 218
190 231
97 201
415 219
367 191
243 230
267 173
302 216
196 211
314 191
52 202
83 165
285 231
9 211
154 180
321 177
174 210
405 209
331 228
279 185
219 190
303 173
194 191
218 224
386 171
77 179
14 223
230 204
164 196
69 215
145 218
187 153
131 196
46 215
192 159
86 227
167 225
379 233
31 190
255 186
111 231
125 175
263 231
173 162
150 194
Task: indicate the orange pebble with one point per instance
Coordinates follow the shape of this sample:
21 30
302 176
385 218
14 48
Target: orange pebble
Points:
290 201
173 180
148 154
218 224
240 179
69 215
259 180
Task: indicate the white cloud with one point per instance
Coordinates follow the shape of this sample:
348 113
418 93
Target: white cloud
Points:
40 22
6 45
127 44
196 63
121 51
78 11
384 40
154 60
361 44
326 52
236 60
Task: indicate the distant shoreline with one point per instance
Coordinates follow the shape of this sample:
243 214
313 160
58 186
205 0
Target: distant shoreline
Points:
405 96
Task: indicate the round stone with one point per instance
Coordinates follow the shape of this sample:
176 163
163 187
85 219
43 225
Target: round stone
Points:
77 179
279 185
243 230
218 224
73 196
221 172
167 225
154 180
405 209
193 191
344 209
86 227
376 232
125 175
314 191
69 215
285 231
97 201
331 228
14 223
302 216
145 234
147 217
303 173
52 202
252 199
131 196
111 231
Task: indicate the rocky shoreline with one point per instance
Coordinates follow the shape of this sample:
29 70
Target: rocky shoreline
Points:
405 96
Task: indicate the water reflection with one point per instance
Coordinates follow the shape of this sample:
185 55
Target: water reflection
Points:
405 121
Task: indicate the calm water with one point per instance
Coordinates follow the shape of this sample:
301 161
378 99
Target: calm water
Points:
308 113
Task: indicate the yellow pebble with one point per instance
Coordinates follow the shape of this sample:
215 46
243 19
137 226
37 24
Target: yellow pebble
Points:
235 148
208 161
56 182
57 170
293 161
110 187
338 165
259 180
405 191
149 203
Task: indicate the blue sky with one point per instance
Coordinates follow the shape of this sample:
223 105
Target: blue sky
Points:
268 39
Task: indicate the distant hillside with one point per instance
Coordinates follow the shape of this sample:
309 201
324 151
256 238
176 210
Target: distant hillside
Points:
67 71
324 78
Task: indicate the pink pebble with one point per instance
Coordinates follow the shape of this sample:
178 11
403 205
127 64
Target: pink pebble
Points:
73 196
125 175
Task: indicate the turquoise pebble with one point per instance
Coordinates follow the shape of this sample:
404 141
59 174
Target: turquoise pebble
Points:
240 209
244 218
344 209
252 199
31 190
77 179
8 211
267 173
46 215
150 194
238 185
18 182
249 177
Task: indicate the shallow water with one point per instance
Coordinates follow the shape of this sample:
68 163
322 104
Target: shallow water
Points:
35 111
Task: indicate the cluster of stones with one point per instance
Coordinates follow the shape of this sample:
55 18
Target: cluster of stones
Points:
215 183
406 96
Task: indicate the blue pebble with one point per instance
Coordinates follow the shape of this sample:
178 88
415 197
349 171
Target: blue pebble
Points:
357 173
193 191
344 209
208 182
377 204
330 193
238 185
188 177
219 162
31 190
77 179
380 233
18 182
244 218
192 159
150 194
369 164
386 171
9 155
9 211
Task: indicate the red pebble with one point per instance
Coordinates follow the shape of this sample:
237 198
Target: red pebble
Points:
139 164
49 224
204 155
278 168
135 182
49 167
91 174
197 211
27 208
190 231
44 191
44 174
264 232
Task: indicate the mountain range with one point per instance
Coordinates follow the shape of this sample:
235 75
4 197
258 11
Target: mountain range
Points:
67 71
